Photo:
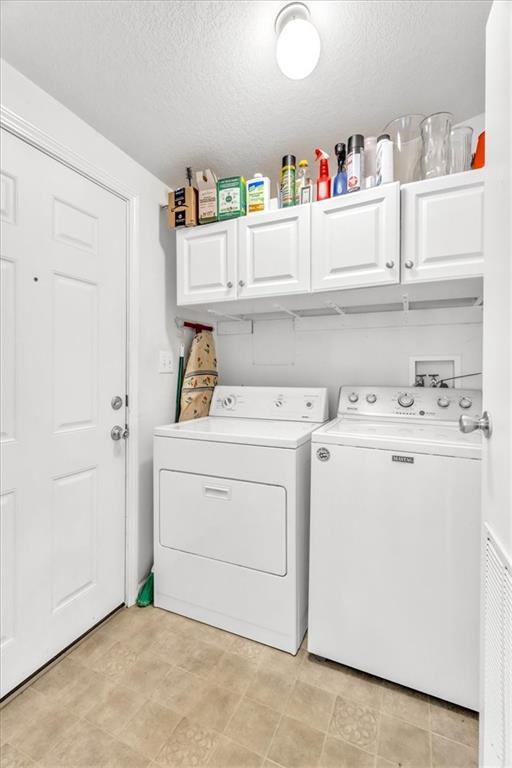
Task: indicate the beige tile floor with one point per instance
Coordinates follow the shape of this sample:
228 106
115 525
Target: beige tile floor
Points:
150 688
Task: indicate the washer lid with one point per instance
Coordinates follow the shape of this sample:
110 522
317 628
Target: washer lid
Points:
218 429
442 440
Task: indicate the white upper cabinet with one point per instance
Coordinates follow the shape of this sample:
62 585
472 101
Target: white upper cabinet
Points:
442 228
274 252
355 240
351 241
206 263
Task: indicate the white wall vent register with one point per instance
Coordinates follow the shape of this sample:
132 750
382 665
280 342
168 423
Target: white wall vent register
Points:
232 512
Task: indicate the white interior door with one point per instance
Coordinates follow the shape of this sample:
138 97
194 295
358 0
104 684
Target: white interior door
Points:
496 648
63 359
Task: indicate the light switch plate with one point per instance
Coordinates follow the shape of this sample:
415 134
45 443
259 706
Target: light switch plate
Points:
166 362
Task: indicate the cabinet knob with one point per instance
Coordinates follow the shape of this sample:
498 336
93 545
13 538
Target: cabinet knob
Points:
229 284
390 264
241 283
409 264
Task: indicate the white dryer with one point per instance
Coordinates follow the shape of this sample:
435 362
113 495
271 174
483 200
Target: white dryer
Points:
231 512
395 539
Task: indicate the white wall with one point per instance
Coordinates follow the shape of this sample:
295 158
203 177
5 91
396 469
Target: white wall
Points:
351 355
156 304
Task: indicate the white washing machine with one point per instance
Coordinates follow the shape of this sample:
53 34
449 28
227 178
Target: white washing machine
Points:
395 539
232 512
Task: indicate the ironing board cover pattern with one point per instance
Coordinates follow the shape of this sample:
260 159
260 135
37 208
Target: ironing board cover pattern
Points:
200 377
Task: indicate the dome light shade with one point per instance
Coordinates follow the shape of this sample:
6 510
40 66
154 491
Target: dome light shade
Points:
298 42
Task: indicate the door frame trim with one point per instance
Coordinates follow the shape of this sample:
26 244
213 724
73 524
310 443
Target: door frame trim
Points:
43 141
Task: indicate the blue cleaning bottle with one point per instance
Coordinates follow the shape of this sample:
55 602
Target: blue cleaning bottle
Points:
339 185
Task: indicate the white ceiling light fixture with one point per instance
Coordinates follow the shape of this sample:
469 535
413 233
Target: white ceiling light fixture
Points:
298 41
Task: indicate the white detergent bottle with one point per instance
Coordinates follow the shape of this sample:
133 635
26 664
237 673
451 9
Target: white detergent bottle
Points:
258 194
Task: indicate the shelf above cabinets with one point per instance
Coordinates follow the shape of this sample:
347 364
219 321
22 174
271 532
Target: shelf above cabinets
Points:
326 248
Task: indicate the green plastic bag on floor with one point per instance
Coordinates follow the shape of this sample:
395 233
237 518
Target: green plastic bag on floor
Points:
145 596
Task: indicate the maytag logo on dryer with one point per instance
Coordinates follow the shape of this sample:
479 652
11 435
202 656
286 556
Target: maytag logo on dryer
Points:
402 459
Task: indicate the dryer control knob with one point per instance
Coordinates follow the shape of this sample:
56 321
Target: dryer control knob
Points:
443 402
406 400
229 402
465 402
278 403
371 398
353 397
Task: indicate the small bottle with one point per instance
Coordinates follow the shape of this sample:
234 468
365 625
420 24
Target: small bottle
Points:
385 170
303 184
258 193
370 161
323 182
287 185
355 162
339 185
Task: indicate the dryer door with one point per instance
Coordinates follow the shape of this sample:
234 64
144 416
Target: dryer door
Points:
234 521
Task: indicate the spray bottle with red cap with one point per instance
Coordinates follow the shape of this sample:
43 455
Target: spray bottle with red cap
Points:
323 182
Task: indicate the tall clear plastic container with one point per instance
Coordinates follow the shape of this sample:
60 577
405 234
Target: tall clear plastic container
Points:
435 133
405 134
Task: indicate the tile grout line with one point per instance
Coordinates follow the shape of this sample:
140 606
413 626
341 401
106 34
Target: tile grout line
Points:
267 753
377 735
430 732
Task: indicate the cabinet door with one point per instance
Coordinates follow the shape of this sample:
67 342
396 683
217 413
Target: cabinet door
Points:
355 239
442 227
206 263
274 252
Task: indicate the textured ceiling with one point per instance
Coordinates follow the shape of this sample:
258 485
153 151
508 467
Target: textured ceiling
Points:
196 83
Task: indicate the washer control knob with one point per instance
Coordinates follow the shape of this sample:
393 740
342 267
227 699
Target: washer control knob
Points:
278 403
309 404
465 402
353 397
371 398
406 400
443 402
229 402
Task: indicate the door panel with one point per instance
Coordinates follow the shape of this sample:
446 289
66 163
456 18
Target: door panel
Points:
73 552
7 566
7 349
274 252
442 228
395 559
234 521
206 263
63 478
355 239
75 366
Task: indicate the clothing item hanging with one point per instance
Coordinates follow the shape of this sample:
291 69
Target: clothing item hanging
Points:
200 377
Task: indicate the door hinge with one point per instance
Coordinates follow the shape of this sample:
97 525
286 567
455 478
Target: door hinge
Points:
126 401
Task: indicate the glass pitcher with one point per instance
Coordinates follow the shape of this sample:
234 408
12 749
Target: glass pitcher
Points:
404 132
461 139
435 134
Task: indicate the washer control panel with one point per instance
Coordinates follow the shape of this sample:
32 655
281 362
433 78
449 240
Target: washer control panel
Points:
284 404
409 402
